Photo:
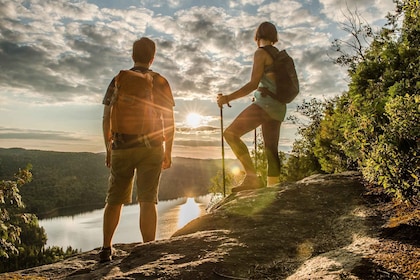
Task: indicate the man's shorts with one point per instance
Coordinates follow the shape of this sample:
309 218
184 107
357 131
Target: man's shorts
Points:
142 163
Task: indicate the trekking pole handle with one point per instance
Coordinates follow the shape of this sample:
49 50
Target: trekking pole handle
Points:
220 95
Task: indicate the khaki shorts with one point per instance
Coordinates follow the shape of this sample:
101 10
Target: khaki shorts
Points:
142 163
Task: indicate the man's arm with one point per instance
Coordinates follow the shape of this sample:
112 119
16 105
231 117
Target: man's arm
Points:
169 131
106 129
164 102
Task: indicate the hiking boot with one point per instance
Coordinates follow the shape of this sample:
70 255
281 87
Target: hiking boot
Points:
249 183
105 255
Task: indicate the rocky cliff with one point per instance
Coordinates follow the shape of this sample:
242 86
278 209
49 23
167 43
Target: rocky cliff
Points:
322 227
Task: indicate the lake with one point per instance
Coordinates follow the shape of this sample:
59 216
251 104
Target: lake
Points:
84 231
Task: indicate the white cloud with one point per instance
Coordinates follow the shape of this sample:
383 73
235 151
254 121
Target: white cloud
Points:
66 52
372 10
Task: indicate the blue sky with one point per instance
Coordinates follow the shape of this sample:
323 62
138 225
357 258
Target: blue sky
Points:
58 57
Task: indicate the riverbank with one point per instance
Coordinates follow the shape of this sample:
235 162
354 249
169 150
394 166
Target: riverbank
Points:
322 227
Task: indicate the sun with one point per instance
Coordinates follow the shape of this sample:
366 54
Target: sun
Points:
194 120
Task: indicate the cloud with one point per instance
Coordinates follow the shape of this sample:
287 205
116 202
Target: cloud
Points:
59 50
74 48
372 11
64 53
28 134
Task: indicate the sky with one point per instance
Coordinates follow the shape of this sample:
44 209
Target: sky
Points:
57 58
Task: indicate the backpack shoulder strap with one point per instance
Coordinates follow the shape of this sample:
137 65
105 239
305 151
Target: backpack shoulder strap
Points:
275 53
272 51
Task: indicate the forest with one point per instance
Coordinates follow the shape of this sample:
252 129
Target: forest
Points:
372 128
80 180
38 184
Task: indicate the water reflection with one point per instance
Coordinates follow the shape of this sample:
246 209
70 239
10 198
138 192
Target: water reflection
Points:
84 231
188 212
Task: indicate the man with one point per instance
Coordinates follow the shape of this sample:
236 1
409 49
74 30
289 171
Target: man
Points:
129 154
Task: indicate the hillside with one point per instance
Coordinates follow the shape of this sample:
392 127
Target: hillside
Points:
80 179
322 227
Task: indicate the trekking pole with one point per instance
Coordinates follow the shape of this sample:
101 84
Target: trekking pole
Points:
223 148
255 144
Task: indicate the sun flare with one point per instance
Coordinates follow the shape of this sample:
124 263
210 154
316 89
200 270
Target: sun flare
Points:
194 120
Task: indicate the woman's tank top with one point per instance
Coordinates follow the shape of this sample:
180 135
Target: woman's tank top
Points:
272 107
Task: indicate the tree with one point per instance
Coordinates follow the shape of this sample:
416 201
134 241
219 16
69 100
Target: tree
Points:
329 140
378 117
352 51
22 239
11 213
302 161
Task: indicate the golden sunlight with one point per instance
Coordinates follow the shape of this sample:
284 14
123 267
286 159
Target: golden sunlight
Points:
188 211
194 120
236 170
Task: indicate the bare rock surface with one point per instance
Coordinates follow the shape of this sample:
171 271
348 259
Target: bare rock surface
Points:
322 227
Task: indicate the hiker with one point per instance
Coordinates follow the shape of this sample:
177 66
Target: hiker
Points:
264 111
136 153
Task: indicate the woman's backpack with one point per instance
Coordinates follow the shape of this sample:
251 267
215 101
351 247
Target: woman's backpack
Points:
287 83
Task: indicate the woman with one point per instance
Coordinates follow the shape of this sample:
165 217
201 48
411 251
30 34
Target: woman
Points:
265 111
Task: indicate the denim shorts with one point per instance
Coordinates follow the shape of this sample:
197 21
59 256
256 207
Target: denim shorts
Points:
144 164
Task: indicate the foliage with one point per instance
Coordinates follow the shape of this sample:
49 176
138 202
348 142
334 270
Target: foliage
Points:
394 159
216 182
36 256
329 147
302 161
80 180
69 179
374 126
384 111
22 239
12 216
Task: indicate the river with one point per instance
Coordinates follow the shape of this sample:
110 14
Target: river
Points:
84 231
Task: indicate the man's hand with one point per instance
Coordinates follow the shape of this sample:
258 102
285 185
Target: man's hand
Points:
167 162
108 157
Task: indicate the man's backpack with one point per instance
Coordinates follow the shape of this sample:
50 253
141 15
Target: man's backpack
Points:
287 82
133 110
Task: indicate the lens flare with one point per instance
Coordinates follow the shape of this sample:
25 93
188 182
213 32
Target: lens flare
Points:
194 120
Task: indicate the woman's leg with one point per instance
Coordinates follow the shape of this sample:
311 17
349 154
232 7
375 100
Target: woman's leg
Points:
249 119
271 135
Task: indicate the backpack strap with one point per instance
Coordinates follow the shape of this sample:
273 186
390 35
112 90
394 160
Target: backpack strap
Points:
274 53
272 50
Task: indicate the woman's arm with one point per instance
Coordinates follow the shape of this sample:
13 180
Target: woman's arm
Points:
260 57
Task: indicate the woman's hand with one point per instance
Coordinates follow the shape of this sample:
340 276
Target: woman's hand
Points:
222 99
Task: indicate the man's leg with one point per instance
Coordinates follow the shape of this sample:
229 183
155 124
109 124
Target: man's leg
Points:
112 215
148 221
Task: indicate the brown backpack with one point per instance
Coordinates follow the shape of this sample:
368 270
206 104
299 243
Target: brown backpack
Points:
132 110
